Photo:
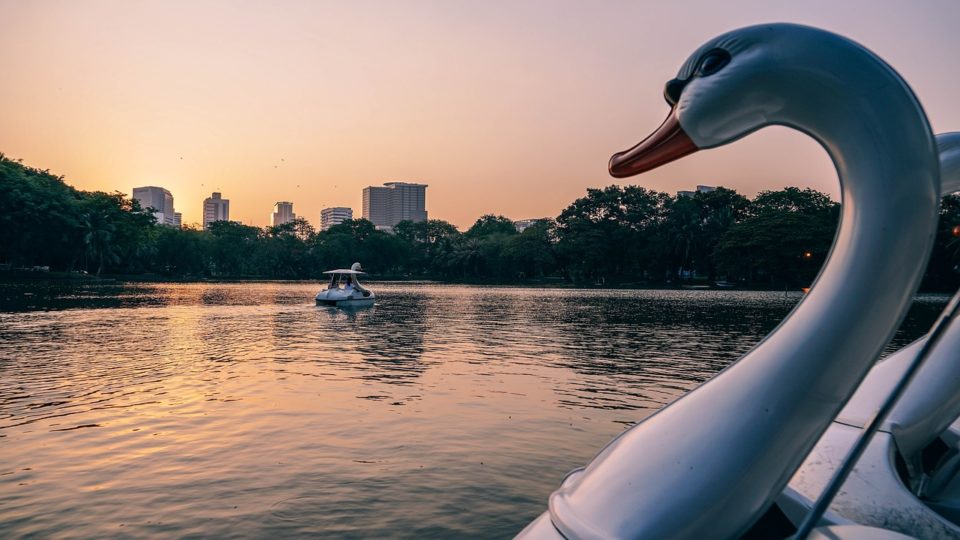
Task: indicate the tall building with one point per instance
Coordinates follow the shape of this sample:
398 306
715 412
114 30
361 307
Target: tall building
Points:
160 200
215 209
177 220
376 206
334 216
394 202
282 213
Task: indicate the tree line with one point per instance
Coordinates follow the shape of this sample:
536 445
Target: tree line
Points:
614 236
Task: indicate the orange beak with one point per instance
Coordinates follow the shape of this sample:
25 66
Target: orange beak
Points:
668 143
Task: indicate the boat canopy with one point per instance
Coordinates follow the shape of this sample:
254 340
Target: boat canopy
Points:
342 271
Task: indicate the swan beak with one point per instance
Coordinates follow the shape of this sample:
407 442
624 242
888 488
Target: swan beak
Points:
668 143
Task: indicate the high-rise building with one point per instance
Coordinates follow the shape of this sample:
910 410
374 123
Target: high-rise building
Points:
394 202
334 216
215 208
282 213
376 205
160 200
177 220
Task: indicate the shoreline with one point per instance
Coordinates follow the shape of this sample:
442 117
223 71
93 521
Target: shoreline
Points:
26 277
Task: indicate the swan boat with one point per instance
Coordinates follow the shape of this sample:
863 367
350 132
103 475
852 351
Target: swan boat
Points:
713 463
907 479
344 289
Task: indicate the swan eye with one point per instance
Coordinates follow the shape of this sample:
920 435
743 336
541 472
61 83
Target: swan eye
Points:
713 62
673 89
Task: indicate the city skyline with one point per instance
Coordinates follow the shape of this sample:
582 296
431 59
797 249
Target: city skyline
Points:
216 208
511 111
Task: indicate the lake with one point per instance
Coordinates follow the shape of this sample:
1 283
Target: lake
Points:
242 410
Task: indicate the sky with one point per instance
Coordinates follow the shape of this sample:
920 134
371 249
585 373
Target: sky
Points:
503 107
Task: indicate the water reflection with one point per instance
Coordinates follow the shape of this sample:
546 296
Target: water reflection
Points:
393 351
244 410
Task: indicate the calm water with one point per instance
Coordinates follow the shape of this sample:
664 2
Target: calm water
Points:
242 410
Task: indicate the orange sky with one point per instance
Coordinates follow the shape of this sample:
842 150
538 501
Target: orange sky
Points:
501 107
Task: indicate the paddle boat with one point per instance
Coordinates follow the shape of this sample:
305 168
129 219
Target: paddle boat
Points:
908 478
344 289
713 463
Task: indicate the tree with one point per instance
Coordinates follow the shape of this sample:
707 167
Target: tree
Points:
792 200
719 210
360 229
682 229
186 251
115 230
490 224
431 244
531 252
39 217
467 258
605 234
232 247
98 238
302 229
785 240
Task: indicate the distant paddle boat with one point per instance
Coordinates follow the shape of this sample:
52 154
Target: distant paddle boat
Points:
344 289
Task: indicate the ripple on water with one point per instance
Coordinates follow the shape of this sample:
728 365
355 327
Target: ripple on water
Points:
244 410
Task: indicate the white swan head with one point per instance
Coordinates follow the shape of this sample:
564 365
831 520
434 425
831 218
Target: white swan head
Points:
711 100
744 80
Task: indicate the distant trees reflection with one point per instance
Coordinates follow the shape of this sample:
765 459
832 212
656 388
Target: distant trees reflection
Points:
614 235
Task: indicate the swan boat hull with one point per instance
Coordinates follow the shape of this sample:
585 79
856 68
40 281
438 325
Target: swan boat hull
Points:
338 299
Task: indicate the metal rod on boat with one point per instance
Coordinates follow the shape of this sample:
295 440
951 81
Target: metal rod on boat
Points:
842 472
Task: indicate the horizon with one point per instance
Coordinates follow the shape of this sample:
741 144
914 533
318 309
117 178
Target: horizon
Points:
317 225
509 112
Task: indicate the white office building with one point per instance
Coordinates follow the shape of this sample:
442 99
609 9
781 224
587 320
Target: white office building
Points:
394 202
334 216
161 201
282 213
215 208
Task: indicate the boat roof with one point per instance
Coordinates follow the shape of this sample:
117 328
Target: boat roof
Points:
343 271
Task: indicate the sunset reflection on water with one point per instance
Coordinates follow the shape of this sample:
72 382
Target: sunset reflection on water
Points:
244 410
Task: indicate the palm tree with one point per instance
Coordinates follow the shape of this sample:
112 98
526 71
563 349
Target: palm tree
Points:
98 239
683 230
467 256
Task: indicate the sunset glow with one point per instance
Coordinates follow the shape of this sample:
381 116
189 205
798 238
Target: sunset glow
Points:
500 107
